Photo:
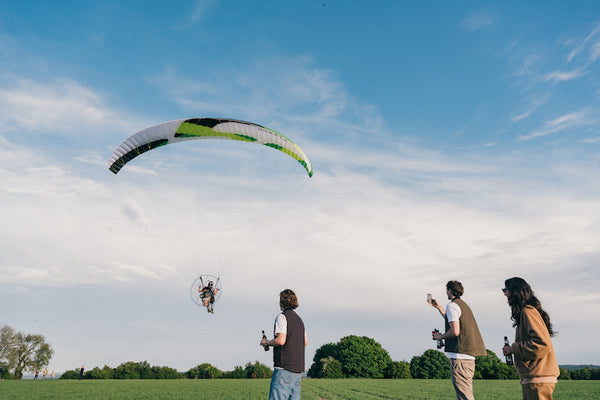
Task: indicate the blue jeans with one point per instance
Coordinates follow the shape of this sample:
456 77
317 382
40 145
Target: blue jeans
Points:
285 385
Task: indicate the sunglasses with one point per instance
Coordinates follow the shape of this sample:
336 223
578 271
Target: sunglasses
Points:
504 290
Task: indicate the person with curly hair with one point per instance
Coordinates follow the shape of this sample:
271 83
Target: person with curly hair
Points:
288 349
463 339
533 351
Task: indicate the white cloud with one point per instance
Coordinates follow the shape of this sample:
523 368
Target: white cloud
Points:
477 21
61 107
31 105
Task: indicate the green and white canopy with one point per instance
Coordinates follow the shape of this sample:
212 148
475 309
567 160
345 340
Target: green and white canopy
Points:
203 128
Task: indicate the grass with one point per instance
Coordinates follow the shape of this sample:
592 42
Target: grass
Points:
312 389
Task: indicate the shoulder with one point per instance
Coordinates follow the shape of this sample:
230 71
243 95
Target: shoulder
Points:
281 320
453 312
531 316
530 312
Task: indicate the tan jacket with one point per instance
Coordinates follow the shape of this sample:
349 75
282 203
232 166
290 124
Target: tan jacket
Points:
534 354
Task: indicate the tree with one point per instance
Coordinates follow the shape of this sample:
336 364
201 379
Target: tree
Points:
397 370
237 373
258 371
331 368
95 373
204 371
362 357
165 373
144 370
107 372
322 353
7 343
433 364
70 374
29 353
126 370
357 357
565 374
584 373
491 367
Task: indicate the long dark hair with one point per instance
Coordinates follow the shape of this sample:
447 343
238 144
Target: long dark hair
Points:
521 295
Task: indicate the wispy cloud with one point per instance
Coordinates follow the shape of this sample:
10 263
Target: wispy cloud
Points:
581 46
527 113
568 121
591 140
277 88
201 9
561 76
477 21
587 49
530 65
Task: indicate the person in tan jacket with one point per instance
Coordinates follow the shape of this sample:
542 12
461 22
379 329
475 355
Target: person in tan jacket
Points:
533 351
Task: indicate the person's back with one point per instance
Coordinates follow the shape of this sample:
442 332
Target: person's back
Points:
469 340
288 350
290 356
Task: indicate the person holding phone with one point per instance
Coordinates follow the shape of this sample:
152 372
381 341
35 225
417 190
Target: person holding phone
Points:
463 339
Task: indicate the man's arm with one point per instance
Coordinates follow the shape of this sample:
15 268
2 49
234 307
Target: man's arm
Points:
278 341
437 305
452 333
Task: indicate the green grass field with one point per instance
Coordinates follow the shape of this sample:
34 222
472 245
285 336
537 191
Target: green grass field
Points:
317 389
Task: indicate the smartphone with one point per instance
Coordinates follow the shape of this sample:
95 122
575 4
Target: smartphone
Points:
429 297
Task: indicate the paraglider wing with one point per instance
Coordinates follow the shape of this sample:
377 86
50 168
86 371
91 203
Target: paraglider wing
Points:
203 128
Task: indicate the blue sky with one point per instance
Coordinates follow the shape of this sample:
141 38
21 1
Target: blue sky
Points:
449 141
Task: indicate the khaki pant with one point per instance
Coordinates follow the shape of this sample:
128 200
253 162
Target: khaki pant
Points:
462 378
537 391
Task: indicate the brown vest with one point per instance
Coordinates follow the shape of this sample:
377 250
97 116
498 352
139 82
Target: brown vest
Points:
469 340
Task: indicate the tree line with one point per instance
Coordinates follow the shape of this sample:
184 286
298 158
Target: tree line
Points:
351 357
143 370
363 357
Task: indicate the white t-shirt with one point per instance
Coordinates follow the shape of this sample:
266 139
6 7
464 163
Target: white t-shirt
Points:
280 324
453 314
